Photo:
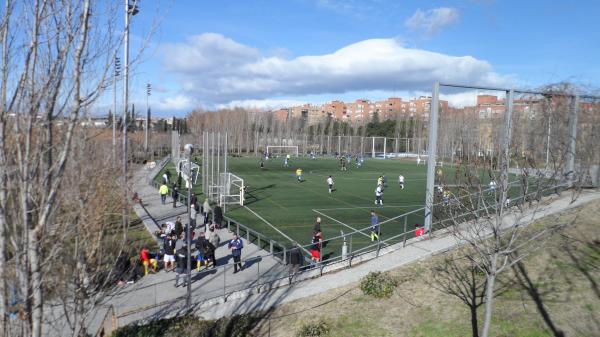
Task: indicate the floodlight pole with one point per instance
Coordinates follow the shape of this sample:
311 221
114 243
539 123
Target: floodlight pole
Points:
506 146
189 149
128 12
431 152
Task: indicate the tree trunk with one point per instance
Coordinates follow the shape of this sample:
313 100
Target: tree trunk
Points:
489 297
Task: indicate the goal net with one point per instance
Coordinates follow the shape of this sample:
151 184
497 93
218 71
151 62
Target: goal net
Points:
184 166
281 149
232 189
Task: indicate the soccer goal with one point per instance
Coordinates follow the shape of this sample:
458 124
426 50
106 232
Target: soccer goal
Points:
282 149
232 190
184 166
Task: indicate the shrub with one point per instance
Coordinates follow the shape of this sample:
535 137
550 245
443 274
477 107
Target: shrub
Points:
315 329
379 285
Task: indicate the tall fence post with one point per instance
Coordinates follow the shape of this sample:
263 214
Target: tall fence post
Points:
506 146
405 223
431 159
373 147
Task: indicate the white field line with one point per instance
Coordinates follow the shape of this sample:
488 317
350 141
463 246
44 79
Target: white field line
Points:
341 223
278 231
365 207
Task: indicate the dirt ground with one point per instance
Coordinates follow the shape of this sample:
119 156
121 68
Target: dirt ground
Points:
566 271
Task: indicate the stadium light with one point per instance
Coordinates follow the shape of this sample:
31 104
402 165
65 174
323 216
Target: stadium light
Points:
189 150
147 121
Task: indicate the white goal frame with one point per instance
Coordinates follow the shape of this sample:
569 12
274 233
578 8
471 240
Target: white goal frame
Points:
282 146
232 189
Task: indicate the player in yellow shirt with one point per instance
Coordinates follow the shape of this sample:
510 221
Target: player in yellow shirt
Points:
299 174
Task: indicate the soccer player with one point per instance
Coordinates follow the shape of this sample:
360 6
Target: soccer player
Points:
418 160
379 195
299 174
285 162
401 181
380 180
446 198
374 226
492 186
330 184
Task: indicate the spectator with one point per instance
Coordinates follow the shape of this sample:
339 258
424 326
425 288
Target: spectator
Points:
169 247
175 195
374 226
181 267
179 178
178 227
170 228
207 249
318 238
148 260
165 178
218 216
418 230
162 232
315 251
296 261
213 237
206 211
200 257
194 199
317 227
236 246
163 190
193 213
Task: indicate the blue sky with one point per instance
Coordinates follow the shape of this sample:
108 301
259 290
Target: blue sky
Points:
269 53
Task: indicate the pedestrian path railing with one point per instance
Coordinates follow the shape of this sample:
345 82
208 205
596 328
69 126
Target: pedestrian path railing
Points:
275 249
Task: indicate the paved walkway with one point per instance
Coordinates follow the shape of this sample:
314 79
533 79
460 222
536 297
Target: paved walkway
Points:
155 292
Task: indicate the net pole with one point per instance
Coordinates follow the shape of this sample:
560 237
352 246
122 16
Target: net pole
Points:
219 182
225 155
431 151
339 145
384 146
373 147
573 116
212 161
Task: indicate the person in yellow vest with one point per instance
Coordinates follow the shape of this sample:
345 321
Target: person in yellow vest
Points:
299 174
163 190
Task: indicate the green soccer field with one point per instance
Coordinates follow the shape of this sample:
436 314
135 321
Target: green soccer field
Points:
284 210
288 208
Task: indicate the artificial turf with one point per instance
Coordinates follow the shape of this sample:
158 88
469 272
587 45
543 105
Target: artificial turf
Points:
283 209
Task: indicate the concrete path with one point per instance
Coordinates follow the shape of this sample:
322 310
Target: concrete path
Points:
154 292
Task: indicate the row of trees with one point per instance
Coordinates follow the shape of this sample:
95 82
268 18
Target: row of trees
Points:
60 228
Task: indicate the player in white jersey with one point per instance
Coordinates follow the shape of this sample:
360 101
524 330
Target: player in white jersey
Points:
401 181
330 184
379 195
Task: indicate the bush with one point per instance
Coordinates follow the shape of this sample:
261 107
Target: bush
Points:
191 326
317 329
379 285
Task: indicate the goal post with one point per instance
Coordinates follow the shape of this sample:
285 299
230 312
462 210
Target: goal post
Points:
287 149
232 190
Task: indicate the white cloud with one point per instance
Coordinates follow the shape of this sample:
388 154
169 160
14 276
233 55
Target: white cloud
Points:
261 104
432 21
214 70
175 103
